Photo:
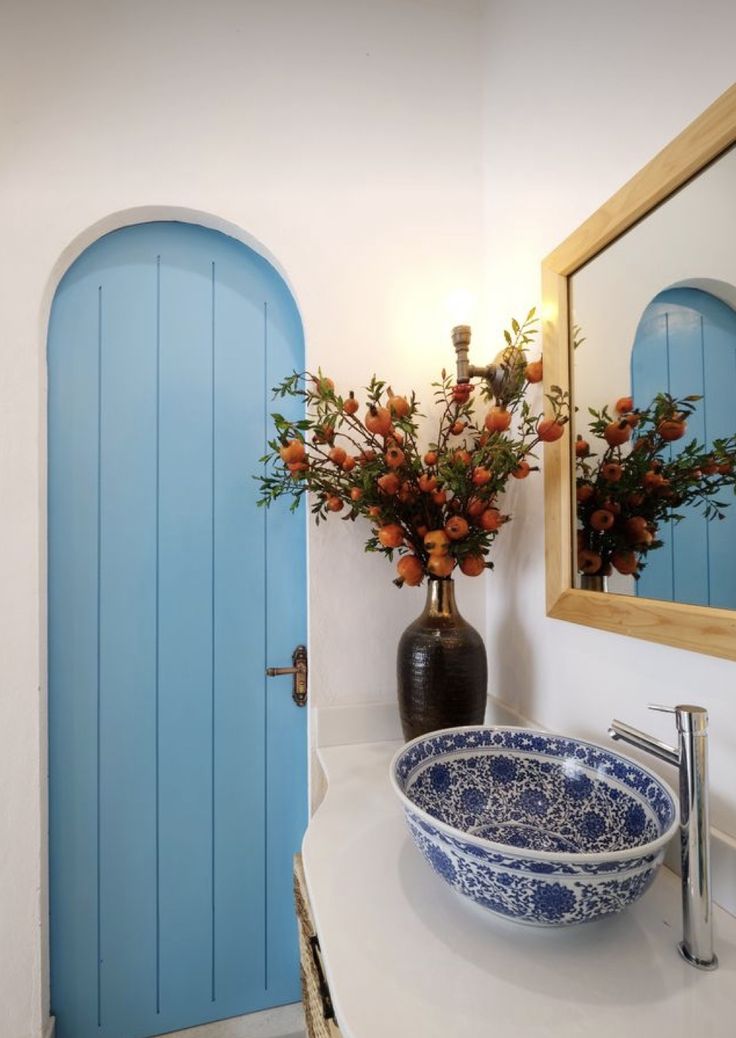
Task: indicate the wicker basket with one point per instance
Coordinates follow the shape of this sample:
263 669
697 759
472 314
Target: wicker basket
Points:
318 1010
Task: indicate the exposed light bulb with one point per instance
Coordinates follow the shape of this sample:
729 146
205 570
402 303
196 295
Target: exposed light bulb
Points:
460 307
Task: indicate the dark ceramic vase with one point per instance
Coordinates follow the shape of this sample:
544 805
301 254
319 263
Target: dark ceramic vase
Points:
593 582
441 667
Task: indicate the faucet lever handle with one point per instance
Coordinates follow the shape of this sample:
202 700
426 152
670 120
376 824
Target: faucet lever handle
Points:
690 718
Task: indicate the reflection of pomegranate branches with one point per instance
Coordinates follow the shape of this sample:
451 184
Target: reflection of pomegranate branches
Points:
637 483
439 507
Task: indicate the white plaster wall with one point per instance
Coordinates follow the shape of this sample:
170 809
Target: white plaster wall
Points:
344 137
579 96
688 239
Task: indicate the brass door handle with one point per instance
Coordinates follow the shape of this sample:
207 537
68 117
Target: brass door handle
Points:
300 672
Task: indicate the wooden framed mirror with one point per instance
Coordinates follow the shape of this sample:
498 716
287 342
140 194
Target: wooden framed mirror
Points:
614 269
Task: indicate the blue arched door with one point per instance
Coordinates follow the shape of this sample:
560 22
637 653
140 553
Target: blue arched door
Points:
177 777
686 343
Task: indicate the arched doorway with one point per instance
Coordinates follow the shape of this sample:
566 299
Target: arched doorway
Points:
177 782
686 344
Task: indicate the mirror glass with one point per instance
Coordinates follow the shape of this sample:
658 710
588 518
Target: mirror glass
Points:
653 326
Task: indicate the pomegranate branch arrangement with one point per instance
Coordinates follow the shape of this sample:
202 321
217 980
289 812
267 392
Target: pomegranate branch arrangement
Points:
436 506
638 482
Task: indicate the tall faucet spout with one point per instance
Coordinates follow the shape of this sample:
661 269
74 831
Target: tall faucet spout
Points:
691 760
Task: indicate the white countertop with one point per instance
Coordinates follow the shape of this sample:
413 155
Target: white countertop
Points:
406 957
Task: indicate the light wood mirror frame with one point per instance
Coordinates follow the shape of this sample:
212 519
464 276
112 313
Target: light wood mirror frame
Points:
699 628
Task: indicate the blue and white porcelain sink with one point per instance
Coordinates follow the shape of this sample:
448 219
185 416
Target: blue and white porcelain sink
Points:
535 827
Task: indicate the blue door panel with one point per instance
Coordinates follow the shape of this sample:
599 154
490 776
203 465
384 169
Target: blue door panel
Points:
127 650
240 573
720 418
686 344
173 821
73 573
689 539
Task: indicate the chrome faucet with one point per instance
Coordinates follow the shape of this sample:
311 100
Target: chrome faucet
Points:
691 759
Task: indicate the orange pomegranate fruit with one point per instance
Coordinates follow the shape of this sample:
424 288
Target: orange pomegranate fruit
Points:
534 371
351 405
398 406
612 471
292 451
490 520
549 430
472 565
410 570
602 520
378 420
476 506
625 562
394 457
389 484
456 528
497 420
672 429
440 565
588 561
617 432
391 535
437 542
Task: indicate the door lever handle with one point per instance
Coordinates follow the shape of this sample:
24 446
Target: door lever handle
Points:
300 671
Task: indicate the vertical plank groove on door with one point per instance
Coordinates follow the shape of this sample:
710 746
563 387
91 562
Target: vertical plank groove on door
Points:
668 454
99 648
265 654
706 440
213 659
157 663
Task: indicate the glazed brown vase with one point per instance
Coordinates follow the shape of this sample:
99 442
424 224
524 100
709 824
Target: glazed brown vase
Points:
593 582
441 667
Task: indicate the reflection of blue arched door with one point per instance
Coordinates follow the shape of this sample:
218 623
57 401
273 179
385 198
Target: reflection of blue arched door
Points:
177 779
686 343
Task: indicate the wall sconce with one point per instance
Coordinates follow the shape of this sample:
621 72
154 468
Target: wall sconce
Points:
505 373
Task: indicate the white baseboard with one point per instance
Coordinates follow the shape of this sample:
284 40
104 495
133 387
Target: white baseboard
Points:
50 1027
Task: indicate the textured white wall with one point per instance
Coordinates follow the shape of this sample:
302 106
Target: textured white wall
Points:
579 96
341 135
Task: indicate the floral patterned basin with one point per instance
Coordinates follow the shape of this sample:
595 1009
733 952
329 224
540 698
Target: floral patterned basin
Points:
534 827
